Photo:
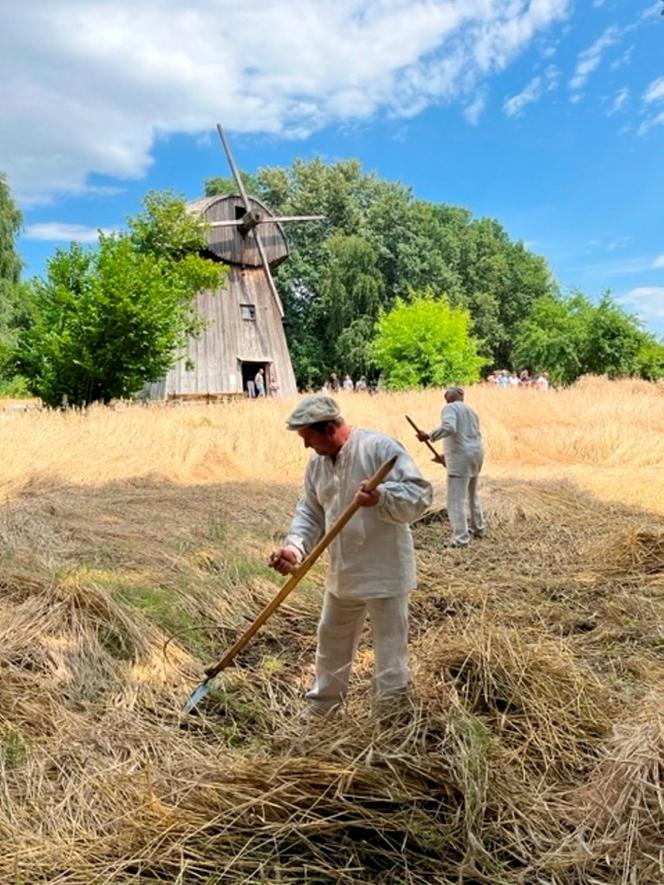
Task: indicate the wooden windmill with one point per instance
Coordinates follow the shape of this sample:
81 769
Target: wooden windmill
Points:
243 330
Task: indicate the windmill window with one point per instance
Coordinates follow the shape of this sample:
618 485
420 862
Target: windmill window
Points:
239 212
248 312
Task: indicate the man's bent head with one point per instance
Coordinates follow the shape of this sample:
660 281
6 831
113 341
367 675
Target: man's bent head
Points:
454 394
324 437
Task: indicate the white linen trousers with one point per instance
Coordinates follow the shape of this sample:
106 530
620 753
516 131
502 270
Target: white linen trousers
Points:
339 630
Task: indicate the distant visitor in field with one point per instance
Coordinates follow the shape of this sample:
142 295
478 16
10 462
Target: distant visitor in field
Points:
464 454
348 383
372 561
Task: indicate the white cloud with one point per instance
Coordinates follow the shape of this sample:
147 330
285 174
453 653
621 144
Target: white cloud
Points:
533 92
87 86
652 11
619 101
647 301
620 243
59 232
474 110
655 91
612 246
656 120
623 59
537 87
638 264
590 59
659 261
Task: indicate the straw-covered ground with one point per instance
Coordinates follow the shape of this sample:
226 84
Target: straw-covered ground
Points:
534 747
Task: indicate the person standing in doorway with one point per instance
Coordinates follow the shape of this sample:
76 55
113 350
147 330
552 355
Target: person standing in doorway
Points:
464 454
259 381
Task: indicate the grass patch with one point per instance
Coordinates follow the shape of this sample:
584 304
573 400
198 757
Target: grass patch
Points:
166 609
14 748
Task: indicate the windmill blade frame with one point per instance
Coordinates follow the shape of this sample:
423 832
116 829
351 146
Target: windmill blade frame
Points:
247 207
272 219
268 272
234 169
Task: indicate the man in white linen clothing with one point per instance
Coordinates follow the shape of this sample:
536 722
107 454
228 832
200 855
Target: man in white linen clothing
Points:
372 560
464 455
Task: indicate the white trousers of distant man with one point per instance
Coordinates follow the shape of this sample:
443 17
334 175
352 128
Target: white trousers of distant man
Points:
339 630
461 497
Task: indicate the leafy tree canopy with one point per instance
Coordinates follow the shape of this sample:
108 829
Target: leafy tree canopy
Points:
426 342
108 320
570 336
379 242
10 263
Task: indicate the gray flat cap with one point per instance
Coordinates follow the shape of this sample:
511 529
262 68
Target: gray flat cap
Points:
455 391
311 410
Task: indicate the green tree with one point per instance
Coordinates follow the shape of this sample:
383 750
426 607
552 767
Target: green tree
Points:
570 336
108 320
650 359
426 342
400 244
10 263
552 338
351 293
354 347
613 340
14 295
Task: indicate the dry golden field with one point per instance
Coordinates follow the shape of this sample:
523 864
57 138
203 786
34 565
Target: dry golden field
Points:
608 437
133 548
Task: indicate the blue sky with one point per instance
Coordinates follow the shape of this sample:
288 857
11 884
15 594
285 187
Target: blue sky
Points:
546 114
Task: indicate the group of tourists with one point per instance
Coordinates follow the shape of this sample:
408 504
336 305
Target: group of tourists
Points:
334 384
372 561
504 379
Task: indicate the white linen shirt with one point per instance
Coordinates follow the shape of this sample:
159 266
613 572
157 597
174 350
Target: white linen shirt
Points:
462 439
373 555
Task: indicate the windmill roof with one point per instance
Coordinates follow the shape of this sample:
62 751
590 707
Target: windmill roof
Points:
202 203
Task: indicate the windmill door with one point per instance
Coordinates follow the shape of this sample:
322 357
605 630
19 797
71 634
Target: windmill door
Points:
252 374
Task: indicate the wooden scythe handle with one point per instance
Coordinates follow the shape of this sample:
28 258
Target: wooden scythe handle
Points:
299 572
439 458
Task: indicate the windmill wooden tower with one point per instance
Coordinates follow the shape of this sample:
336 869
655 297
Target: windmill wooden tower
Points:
244 317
